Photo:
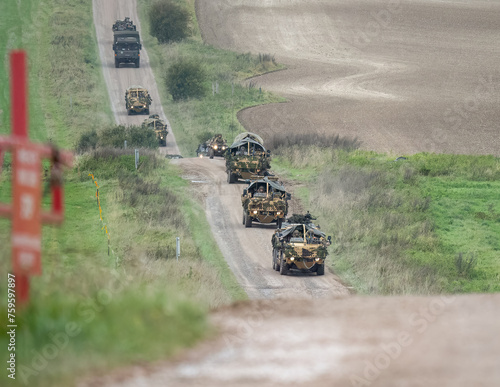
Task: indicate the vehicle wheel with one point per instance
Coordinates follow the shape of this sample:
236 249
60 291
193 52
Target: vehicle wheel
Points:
277 261
138 63
211 153
230 178
279 222
274 259
320 269
283 265
146 111
248 221
117 64
244 215
129 112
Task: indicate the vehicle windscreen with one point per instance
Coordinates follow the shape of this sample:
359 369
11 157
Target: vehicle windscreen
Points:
127 46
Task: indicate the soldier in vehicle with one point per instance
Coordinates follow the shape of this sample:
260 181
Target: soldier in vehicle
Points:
261 189
296 234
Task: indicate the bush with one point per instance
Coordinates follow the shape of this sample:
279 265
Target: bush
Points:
115 136
185 80
87 141
169 22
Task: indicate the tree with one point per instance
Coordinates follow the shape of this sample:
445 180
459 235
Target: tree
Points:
169 22
185 80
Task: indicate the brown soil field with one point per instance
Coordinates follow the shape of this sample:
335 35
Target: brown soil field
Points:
403 76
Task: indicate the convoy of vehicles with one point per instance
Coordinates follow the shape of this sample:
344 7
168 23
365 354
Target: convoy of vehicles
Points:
297 244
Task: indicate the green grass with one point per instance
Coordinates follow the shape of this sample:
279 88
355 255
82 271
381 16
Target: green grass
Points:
135 303
214 113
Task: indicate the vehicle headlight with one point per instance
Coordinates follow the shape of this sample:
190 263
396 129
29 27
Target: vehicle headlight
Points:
255 211
278 213
292 259
200 156
215 146
223 148
317 259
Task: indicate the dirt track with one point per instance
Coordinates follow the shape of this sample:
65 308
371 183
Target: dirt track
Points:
248 251
381 95
106 12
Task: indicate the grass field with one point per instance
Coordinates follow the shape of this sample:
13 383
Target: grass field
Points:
426 224
75 323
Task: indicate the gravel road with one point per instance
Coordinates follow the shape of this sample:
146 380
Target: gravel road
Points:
106 12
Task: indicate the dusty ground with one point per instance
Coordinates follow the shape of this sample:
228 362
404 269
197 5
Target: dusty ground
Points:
403 76
393 92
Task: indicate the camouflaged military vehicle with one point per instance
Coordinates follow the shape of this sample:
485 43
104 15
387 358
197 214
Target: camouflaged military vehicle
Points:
300 245
158 126
215 146
137 100
247 158
264 201
127 47
124 25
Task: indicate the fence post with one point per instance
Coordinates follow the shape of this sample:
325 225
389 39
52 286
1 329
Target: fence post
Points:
136 158
125 144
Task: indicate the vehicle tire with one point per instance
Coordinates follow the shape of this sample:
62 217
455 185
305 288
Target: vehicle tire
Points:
279 222
137 63
248 221
230 178
211 153
283 265
117 64
146 112
320 270
244 217
274 259
129 112
277 260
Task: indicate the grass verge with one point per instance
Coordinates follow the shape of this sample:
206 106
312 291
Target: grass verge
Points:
92 310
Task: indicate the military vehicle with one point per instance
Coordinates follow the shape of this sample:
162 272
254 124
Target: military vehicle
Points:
158 126
127 47
215 146
300 245
124 25
137 100
247 158
264 201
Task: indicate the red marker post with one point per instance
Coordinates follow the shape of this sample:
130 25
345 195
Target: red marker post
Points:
25 212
